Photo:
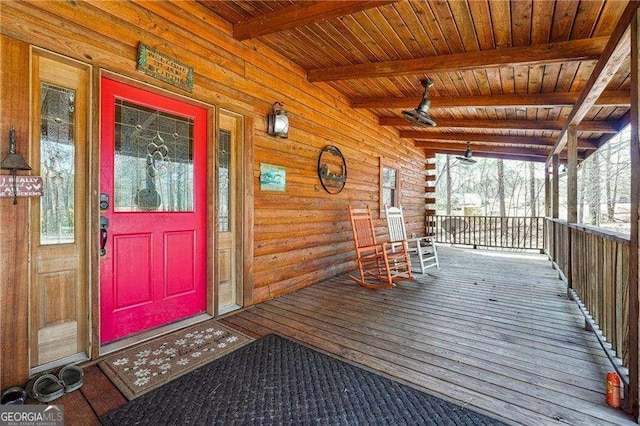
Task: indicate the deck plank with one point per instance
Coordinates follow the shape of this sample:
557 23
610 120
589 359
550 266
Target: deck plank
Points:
491 331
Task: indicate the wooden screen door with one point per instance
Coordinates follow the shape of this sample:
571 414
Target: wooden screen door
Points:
153 210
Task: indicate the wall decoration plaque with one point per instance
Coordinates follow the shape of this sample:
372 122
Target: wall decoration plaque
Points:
25 186
272 178
332 169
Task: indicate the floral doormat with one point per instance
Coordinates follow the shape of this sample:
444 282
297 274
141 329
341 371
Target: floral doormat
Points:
144 367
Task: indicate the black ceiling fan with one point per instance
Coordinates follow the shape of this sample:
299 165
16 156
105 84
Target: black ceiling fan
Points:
420 115
468 154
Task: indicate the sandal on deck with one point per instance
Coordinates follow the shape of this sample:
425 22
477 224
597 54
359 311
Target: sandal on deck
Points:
45 388
71 377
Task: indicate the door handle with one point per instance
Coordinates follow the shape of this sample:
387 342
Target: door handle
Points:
104 224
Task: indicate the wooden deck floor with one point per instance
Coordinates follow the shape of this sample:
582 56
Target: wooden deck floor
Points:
492 331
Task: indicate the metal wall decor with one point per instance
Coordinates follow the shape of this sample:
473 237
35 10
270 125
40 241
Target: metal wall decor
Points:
332 169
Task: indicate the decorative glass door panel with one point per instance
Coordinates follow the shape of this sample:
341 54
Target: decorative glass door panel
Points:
153 212
153 160
57 164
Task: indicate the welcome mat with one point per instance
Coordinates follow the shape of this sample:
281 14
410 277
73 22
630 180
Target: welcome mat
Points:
274 381
144 367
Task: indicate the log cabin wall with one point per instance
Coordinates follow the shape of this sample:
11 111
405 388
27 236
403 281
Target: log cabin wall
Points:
298 237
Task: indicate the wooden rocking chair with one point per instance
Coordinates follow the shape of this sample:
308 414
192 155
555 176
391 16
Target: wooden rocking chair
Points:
424 247
379 264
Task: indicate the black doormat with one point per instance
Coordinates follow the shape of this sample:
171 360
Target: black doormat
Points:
274 381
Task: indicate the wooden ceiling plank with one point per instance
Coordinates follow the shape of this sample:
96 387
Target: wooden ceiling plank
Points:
618 98
441 9
480 15
586 19
563 19
616 50
541 21
585 126
567 51
300 14
521 15
431 31
465 25
404 25
501 22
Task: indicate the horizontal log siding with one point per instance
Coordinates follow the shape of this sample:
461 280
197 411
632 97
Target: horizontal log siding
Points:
301 236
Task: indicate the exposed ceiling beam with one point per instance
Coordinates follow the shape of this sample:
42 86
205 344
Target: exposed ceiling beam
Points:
537 54
615 52
489 139
536 158
538 155
551 126
460 148
299 15
610 99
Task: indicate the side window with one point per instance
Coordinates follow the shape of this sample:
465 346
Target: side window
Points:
389 186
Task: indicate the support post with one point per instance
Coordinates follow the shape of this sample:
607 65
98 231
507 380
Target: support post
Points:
634 251
547 191
555 190
572 174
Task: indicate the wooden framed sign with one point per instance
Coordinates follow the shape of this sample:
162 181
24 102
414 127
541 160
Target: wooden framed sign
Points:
165 68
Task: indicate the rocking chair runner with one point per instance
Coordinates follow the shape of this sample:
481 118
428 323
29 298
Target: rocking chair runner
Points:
424 247
379 264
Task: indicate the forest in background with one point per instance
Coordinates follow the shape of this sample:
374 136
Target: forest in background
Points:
493 187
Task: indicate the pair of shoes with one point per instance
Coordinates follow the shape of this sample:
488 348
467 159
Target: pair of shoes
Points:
47 387
14 395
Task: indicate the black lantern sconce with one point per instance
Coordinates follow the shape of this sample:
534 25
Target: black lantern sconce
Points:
278 121
14 162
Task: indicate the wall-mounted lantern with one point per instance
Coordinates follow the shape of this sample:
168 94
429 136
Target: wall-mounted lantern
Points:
14 162
278 121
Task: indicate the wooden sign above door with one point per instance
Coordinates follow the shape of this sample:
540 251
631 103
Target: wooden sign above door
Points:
165 68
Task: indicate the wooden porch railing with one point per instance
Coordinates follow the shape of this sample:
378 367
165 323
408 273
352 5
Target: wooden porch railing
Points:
595 264
519 232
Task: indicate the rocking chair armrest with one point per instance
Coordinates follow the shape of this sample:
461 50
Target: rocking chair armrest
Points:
379 246
418 239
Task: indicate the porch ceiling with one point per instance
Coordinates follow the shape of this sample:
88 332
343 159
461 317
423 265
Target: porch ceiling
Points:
508 76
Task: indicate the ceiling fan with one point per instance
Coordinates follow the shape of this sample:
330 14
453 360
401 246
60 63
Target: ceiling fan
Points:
466 158
420 115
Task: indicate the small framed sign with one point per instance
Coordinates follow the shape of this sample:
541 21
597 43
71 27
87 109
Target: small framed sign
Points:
25 186
272 178
165 68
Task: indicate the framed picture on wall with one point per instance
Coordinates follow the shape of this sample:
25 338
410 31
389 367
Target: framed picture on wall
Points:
272 178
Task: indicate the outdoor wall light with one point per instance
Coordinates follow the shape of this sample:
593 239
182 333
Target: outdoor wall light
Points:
14 162
278 121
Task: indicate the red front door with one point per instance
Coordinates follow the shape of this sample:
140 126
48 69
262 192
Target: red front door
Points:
153 210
